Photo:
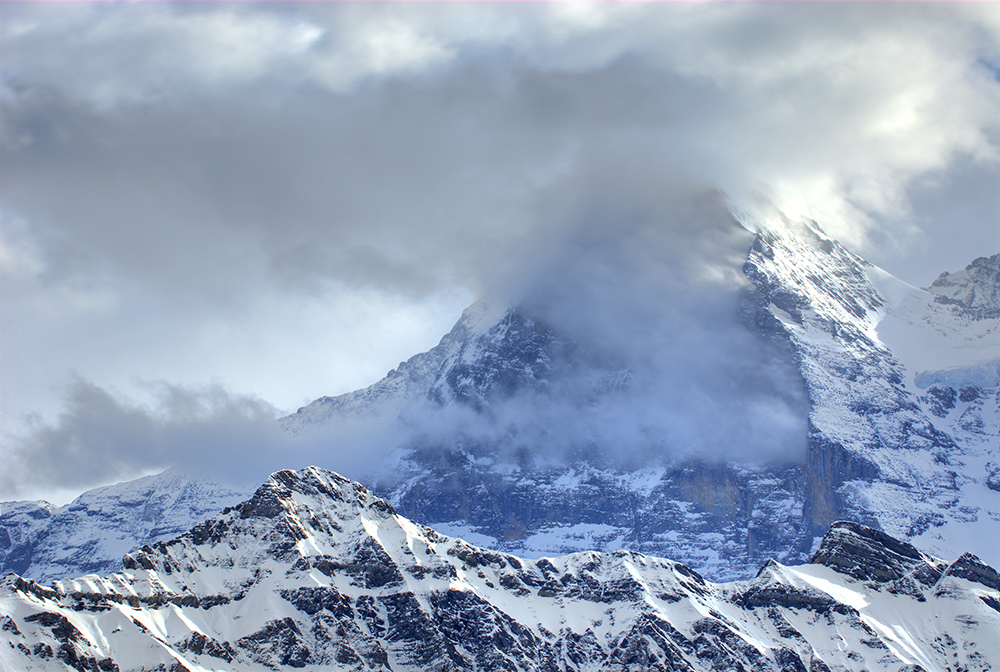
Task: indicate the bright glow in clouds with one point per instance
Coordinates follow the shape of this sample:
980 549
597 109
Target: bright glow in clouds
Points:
286 200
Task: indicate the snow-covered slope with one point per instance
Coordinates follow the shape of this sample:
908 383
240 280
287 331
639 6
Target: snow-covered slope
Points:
314 571
94 532
894 459
948 333
947 339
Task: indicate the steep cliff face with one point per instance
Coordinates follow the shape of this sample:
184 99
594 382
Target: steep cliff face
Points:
314 571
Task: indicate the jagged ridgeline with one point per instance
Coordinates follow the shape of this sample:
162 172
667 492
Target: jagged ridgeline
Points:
533 437
316 572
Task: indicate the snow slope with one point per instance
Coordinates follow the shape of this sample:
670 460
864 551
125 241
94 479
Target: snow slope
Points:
864 340
93 532
315 571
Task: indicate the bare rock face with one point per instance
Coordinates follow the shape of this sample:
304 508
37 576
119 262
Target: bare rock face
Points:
314 571
867 554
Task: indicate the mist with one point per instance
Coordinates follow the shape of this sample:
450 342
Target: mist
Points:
654 365
657 362
103 437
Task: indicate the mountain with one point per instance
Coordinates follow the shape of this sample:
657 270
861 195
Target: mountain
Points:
900 430
516 432
94 532
314 571
880 449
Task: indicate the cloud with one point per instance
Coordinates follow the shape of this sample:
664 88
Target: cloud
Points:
101 437
661 368
189 188
152 53
661 364
450 123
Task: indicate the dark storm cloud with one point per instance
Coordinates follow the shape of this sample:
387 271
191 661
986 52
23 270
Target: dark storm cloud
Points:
175 175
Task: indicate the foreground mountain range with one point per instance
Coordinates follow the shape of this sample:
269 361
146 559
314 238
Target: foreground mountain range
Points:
885 396
316 572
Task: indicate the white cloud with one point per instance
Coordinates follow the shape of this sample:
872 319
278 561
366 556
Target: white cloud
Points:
834 110
147 53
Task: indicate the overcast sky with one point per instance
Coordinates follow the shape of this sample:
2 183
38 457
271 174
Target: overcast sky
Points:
214 212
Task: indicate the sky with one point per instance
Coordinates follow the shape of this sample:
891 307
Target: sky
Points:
212 214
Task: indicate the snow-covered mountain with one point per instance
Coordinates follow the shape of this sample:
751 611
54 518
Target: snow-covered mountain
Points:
94 532
880 449
899 425
901 429
314 571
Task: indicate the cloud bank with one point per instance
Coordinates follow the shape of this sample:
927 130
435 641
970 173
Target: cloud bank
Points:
103 437
656 367
293 197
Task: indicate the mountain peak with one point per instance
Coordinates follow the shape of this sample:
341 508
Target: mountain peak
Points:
276 495
868 554
974 291
292 515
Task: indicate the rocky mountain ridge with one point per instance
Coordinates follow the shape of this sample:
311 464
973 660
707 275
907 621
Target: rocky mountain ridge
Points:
973 291
314 571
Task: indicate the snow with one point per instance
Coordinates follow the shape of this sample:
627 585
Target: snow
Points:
843 589
893 290
335 525
99 527
869 346
465 531
926 337
571 539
